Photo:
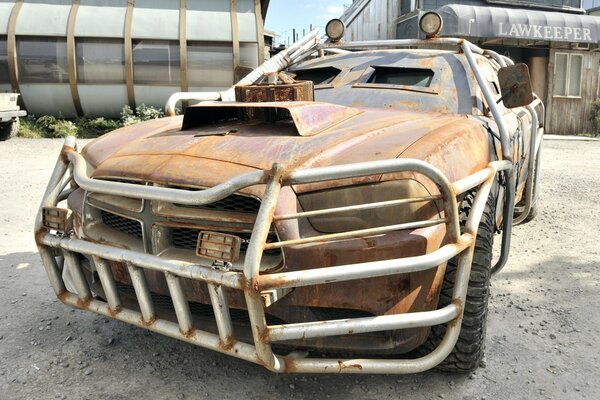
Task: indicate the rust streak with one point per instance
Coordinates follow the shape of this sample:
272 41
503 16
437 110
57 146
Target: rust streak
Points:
189 334
342 365
64 153
148 323
114 312
228 344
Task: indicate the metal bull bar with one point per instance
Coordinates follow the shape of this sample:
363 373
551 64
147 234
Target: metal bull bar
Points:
71 166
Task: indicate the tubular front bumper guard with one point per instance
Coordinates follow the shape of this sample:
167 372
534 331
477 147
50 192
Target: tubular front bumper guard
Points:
250 281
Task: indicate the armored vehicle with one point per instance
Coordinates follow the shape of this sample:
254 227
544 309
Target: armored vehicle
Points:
334 212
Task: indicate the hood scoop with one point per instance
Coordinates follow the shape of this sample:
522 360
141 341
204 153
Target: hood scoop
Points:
308 117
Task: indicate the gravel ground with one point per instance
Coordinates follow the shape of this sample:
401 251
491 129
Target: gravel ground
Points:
542 336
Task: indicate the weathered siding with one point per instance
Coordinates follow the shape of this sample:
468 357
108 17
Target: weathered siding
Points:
567 115
372 19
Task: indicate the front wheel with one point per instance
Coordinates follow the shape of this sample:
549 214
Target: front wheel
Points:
468 352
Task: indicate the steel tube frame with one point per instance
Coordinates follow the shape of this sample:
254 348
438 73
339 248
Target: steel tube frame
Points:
360 207
164 327
73 265
221 310
108 284
142 292
180 303
359 233
363 325
156 193
143 260
372 269
251 282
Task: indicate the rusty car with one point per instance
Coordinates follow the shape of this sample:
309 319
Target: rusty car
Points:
333 212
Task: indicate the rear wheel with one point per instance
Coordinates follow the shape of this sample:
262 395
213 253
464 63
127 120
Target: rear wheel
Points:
9 130
469 350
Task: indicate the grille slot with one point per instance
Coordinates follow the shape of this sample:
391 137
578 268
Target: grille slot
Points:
187 238
122 224
199 309
233 203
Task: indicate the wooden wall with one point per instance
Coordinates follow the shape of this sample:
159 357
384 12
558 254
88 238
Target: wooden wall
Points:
570 116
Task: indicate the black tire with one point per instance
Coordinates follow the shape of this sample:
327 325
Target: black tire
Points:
9 130
533 212
470 348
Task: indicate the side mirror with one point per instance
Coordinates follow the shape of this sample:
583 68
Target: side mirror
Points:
515 86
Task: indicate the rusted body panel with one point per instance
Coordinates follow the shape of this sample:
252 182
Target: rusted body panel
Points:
321 134
442 130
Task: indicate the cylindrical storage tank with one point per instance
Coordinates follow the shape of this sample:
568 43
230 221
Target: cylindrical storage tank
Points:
92 57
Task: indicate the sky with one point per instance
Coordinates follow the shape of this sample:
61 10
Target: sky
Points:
284 15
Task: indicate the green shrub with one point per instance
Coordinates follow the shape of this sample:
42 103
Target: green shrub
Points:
30 129
142 113
53 127
48 126
595 117
94 127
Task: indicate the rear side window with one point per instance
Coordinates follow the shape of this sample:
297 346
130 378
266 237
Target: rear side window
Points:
319 76
402 76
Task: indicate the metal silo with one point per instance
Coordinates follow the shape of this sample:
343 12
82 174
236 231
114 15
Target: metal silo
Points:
92 57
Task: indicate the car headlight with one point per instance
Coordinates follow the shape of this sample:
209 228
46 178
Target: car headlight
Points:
365 194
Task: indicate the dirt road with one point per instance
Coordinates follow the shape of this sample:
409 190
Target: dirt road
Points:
543 333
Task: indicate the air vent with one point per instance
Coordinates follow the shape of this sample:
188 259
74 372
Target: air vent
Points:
235 203
122 224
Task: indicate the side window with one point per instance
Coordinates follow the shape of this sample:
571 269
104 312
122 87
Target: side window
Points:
567 74
43 60
402 76
319 76
100 60
156 62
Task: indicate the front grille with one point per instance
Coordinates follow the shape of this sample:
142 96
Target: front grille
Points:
187 238
122 224
233 203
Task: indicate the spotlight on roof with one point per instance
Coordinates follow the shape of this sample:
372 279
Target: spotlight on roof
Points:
335 30
431 24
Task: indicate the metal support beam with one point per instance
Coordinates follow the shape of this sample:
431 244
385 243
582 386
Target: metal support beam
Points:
182 308
221 310
108 284
142 292
235 42
183 45
260 31
129 54
72 57
11 46
73 265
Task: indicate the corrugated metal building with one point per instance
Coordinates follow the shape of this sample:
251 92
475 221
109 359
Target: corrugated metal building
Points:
92 57
555 38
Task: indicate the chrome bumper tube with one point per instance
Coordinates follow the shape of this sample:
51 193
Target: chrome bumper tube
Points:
70 165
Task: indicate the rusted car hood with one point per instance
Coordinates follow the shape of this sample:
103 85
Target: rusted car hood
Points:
160 151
